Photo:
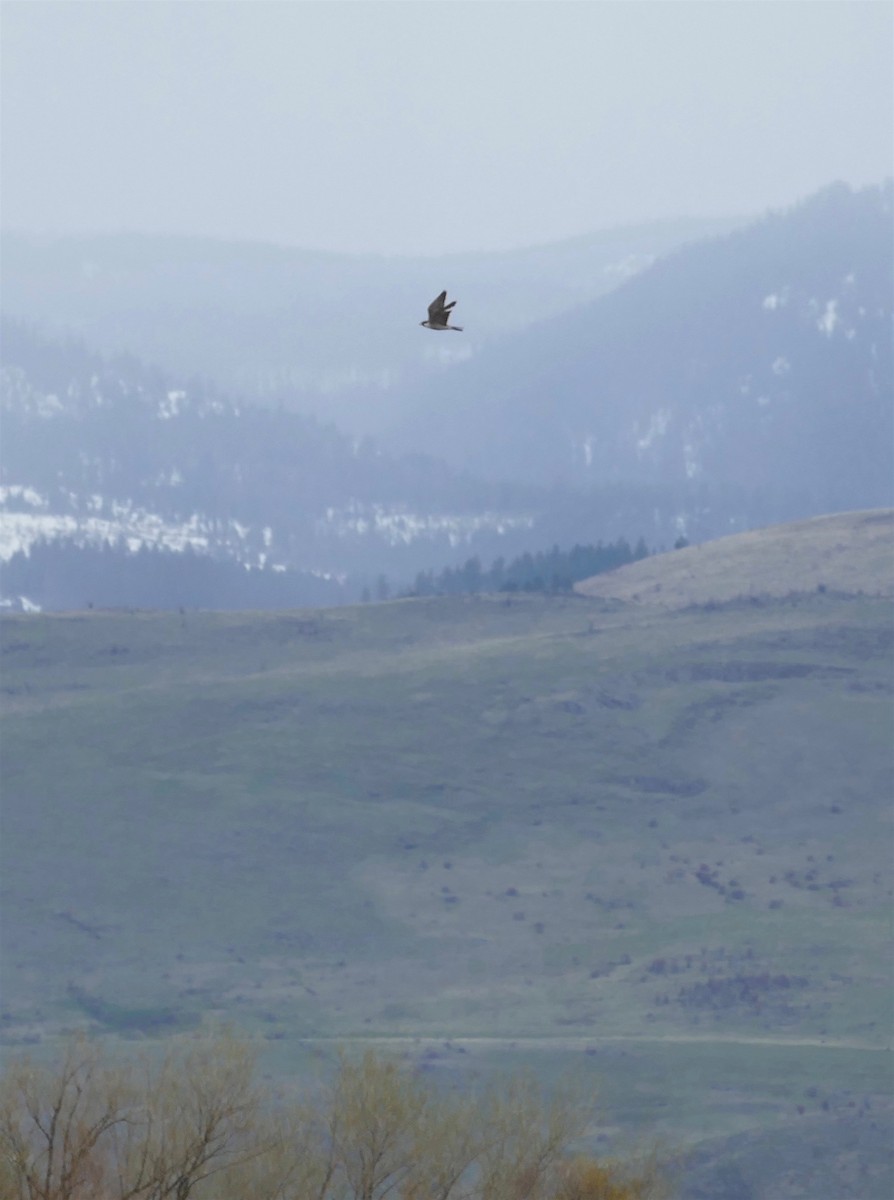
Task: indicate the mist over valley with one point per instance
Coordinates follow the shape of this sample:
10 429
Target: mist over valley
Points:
446 582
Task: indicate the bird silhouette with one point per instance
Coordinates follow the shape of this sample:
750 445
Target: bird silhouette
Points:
439 314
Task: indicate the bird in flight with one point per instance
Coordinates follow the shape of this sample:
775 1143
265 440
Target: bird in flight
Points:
439 314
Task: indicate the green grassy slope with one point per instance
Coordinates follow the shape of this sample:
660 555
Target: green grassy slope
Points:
551 830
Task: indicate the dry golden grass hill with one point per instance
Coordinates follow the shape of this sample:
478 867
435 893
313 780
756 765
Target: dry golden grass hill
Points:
845 552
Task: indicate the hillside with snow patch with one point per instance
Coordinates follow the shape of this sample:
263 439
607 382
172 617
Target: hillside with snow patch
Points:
762 360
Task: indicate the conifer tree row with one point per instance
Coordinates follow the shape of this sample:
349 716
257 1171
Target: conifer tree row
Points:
553 570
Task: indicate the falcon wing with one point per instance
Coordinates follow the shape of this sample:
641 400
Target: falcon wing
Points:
436 312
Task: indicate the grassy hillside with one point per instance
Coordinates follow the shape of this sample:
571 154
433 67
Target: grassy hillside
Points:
846 552
650 844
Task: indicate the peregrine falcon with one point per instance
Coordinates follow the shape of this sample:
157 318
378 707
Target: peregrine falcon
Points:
439 314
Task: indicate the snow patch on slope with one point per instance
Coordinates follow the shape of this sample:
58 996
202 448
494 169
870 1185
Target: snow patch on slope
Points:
830 319
20 530
16 495
398 526
627 267
657 428
169 405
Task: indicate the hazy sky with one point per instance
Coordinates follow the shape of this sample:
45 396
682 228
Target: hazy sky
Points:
428 127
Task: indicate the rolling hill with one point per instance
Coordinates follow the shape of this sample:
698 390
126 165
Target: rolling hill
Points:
847 552
648 844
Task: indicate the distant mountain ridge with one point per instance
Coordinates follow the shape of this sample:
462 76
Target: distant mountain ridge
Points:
114 459
100 452
762 358
323 332
739 382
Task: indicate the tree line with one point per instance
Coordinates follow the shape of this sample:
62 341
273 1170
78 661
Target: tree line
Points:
194 1123
552 570
60 574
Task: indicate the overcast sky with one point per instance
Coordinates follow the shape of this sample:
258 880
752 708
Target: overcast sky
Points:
419 127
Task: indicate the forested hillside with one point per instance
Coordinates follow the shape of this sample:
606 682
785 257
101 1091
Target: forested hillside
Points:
285 325
177 494
736 382
115 457
761 359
